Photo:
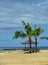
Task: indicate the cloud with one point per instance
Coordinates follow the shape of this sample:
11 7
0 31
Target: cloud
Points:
13 12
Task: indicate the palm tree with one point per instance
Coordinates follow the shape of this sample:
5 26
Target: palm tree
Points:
44 38
36 33
27 33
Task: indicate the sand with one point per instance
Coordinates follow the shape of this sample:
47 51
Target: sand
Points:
19 57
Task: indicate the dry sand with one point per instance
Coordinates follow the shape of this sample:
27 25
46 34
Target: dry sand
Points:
20 58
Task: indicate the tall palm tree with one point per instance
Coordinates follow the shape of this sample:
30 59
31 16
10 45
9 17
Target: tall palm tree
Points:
28 33
36 33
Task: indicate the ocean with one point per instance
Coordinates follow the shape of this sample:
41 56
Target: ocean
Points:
20 48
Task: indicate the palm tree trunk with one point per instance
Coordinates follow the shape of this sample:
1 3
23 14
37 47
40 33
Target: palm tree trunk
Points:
36 43
30 44
25 46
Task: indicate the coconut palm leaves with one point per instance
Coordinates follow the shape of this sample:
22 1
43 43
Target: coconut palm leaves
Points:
19 34
36 32
22 34
28 33
44 38
28 28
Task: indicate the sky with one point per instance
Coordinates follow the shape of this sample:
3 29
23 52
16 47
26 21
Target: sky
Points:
12 12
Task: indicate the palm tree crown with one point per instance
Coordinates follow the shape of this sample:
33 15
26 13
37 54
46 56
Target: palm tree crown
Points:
22 34
36 32
29 33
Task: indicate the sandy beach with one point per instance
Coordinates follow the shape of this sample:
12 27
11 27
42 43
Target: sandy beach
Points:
19 57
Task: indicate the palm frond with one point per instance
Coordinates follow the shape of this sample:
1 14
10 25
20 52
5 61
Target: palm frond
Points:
19 34
37 31
23 23
22 34
44 38
27 28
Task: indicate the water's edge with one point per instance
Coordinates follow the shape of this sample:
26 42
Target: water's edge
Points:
20 48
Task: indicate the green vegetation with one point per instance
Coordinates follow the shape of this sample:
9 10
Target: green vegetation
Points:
28 33
36 33
44 38
22 34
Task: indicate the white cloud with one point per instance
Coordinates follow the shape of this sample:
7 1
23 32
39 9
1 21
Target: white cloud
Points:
38 4
11 14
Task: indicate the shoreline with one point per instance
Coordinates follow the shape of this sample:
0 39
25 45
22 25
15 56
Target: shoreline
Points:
22 50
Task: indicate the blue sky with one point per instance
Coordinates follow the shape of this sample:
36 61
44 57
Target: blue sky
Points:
12 12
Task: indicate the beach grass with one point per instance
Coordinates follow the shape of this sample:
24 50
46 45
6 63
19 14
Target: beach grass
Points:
19 57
